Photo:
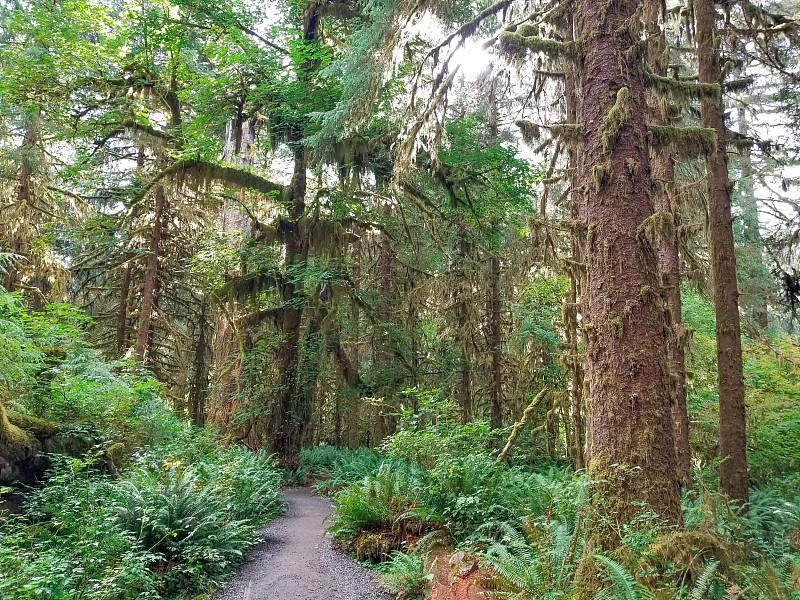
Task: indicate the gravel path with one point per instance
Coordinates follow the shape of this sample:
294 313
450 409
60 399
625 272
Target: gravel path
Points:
296 562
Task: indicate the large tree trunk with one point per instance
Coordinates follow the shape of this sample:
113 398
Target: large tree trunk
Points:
292 413
571 309
198 386
228 346
733 478
463 334
152 279
631 453
667 240
496 337
121 337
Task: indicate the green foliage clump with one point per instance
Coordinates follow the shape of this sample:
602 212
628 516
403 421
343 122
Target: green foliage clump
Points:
166 528
407 575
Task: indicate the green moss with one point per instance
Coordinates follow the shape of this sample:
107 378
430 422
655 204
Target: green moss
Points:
682 90
689 142
616 323
601 172
528 30
657 228
516 45
530 131
41 428
615 119
116 452
570 133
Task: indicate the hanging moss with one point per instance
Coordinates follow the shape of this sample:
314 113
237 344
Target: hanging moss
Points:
601 172
657 228
517 46
688 142
569 133
529 130
738 85
681 90
615 119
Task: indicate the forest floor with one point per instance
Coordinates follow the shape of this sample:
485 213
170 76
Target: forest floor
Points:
295 560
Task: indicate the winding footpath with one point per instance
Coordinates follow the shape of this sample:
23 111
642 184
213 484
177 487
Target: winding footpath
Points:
295 560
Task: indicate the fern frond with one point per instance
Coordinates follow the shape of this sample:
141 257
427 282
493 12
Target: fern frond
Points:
624 585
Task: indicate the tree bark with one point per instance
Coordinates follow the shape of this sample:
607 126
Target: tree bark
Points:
629 430
292 413
198 385
496 334
571 309
121 334
667 240
733 477
463 333
152 279
228 346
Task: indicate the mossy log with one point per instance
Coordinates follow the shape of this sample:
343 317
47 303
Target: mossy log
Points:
20 458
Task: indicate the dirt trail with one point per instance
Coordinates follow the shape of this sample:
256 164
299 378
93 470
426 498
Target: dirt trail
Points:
296 562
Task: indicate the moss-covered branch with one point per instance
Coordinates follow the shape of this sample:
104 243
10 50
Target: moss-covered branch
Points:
682 89
517 45
520 425
688 142
213 173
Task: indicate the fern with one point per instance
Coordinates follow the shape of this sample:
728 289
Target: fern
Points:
539 563
701 586
406 574
624 585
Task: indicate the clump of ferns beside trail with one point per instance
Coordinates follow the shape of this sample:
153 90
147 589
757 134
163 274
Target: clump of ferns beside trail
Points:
135 504
437 484
173 525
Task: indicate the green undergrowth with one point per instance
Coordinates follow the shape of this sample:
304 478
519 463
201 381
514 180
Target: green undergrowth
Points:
178 520
435 482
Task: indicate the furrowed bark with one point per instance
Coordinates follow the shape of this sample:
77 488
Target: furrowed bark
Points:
630 447
460 297
152 279
496 334
667 241
733 476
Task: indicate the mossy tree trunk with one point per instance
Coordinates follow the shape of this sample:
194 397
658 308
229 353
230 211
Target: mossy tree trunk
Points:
228 346
630 448
733 477
292 414
198 385
461 295
152 279
496 341
667 240
576 276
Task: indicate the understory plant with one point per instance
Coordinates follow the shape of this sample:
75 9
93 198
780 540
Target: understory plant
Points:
167 528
